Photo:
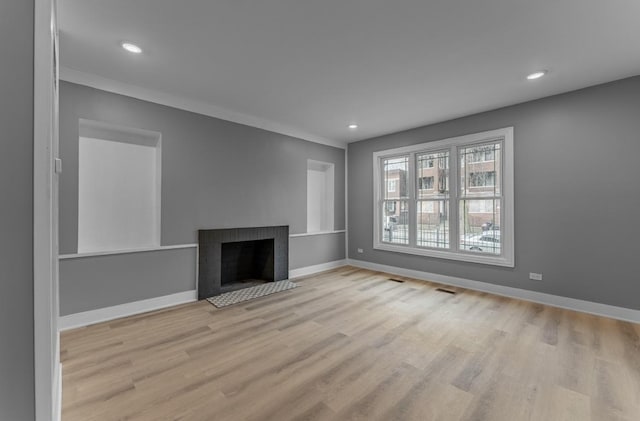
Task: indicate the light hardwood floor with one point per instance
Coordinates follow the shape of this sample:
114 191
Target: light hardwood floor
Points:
351 344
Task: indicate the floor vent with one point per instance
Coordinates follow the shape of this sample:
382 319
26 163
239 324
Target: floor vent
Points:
448 291
396 280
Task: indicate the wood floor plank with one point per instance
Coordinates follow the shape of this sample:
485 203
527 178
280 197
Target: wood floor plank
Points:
351 344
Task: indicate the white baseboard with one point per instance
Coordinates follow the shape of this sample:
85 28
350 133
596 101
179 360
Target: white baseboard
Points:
57 410
87 318
310 270
619 313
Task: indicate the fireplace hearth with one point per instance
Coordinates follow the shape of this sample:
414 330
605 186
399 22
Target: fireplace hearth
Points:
236 258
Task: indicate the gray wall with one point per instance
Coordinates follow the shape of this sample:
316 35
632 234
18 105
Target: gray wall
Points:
577 194
215 174
94 282
325 248
105 281
17 395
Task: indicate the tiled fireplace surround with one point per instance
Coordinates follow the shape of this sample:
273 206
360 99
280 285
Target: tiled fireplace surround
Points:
210 241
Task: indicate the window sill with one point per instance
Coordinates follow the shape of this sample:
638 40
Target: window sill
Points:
459 256
125 251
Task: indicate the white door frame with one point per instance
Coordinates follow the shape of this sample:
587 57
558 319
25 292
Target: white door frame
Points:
45 214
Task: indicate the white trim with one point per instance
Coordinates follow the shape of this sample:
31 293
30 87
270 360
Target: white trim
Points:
307 234
133 91
73 321
310 270
117 133
461 256
45 217
326 222
87 318
123 310
57 410
319 165
451 144
346 202
109 253
158 198
590 307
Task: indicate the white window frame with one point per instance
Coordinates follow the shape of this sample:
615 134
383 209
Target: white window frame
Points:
506 257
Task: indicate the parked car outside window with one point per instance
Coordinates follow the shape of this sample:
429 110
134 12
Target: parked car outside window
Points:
487 242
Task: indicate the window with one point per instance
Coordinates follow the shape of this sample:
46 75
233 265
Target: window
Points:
481 206
454 198
425 183
320 189
119 174
482 179
391 207
392 185
483 154
394 200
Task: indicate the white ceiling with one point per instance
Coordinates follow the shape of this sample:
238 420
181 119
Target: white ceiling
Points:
312 67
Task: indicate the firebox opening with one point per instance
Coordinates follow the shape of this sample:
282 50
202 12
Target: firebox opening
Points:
246 264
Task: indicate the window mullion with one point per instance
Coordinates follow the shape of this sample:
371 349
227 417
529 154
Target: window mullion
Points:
500 177
381 201
413 205
454 205
495 197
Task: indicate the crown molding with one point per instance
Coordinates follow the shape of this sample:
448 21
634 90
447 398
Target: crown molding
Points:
162 98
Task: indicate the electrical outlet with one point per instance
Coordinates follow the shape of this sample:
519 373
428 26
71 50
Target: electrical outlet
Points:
535 276
360 251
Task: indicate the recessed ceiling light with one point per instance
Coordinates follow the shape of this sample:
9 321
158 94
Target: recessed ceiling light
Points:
353 126
132 48
537 75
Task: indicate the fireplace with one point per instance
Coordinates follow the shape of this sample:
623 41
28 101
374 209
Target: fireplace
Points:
235 258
